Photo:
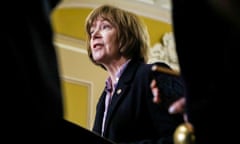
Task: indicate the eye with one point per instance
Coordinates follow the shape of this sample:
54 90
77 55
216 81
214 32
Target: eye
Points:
106 26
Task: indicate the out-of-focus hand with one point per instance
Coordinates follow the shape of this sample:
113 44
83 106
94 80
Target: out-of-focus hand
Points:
155 91
178 106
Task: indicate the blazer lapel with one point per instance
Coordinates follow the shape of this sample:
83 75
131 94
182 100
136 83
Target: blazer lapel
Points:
99 114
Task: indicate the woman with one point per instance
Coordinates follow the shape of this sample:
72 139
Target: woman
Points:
118 42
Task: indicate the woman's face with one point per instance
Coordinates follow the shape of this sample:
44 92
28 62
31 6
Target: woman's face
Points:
103 42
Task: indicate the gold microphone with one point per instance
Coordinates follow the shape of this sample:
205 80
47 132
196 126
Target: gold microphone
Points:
184 134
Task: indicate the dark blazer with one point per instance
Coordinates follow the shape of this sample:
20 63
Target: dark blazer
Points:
132 115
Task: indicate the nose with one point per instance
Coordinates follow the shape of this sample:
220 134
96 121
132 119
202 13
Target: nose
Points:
96 34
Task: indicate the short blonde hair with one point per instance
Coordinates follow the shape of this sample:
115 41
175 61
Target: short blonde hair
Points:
132 32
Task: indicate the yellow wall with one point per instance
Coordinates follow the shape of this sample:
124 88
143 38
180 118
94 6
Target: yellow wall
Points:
76 103
70 22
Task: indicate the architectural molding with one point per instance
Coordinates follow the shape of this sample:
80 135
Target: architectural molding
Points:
89 85
165 51
69 43
154 9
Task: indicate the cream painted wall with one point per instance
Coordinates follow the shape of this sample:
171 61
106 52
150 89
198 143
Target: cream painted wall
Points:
78 66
